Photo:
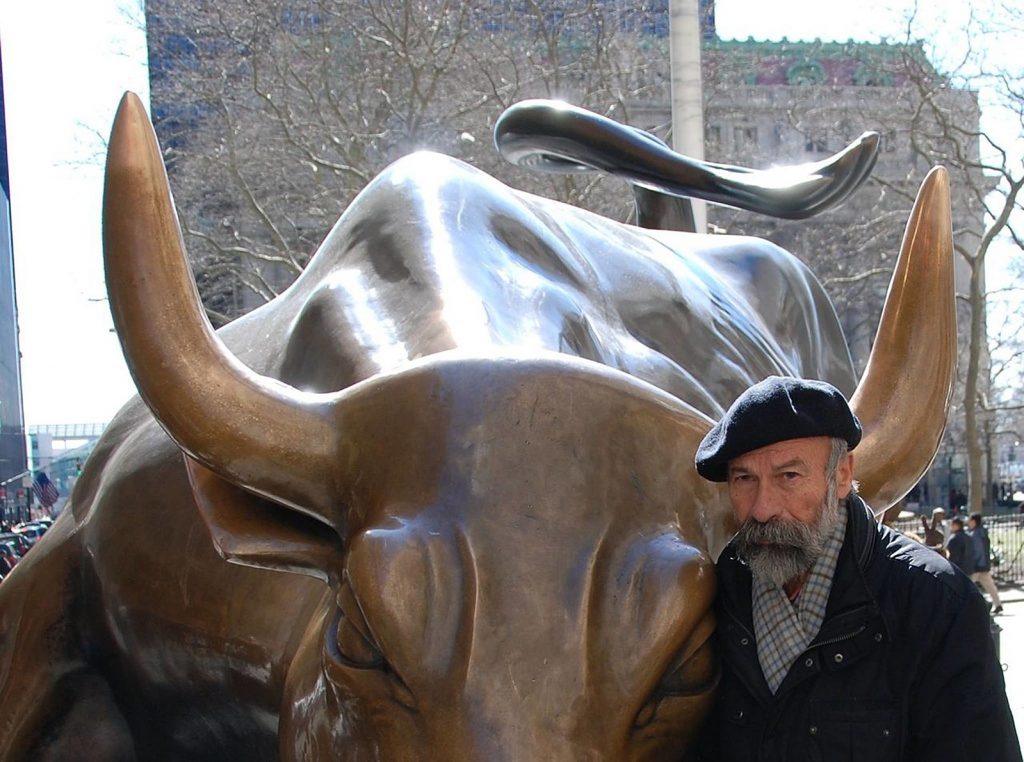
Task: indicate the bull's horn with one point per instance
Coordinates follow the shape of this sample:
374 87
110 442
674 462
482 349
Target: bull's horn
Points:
904 395
256 432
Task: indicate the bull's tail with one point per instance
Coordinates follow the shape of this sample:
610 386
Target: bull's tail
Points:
557 137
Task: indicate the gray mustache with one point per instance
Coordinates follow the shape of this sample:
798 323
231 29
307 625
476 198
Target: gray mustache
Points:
775 532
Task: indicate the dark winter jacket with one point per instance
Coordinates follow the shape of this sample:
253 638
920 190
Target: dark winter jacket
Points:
961 554
980 550
903 667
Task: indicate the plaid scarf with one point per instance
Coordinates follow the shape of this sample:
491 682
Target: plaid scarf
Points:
783 630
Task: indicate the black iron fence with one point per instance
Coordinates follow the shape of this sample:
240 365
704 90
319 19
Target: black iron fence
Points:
1006 536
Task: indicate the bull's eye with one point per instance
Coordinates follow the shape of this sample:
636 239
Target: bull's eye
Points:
355 652
354 648
692 674
355 644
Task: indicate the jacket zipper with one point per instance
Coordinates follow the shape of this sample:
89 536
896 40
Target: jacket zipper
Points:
829 642
840 639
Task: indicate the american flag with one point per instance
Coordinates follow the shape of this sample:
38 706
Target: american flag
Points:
45 490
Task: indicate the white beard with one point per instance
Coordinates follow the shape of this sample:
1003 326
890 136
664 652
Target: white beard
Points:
782 549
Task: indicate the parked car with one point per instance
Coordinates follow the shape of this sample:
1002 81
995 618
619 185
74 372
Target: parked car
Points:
18 542
8 558
31 530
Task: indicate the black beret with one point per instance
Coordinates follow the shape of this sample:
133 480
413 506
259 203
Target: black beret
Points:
771 411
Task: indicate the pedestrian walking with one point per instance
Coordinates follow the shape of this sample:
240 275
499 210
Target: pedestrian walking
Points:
958 547
982 564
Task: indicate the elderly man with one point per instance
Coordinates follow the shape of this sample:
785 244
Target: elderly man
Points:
840 639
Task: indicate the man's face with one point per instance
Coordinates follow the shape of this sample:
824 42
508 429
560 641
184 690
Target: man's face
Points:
780 495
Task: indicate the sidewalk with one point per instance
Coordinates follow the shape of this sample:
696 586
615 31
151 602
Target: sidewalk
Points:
1011 650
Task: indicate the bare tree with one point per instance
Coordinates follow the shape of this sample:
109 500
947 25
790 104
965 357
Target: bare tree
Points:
798 101
987 164
1003 406
277 113
926 116
274 114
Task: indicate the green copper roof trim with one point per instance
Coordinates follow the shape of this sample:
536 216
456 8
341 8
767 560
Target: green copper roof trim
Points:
875 52
806 71
816 46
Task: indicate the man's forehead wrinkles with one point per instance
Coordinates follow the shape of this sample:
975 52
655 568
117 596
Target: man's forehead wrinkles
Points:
746 463
791 463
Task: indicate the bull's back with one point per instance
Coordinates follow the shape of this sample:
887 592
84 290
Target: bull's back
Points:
434 255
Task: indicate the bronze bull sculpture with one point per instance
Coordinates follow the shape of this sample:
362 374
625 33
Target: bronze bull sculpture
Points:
468 429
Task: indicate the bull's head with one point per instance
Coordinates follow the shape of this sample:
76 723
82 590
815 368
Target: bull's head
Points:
519 550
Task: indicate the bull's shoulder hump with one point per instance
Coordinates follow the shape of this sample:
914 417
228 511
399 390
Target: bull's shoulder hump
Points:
428 172
427 167
733 250
753 265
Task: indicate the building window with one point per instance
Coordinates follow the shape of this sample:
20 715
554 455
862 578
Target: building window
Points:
816 144
745 137
713 139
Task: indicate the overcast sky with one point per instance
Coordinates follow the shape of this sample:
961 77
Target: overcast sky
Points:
66 64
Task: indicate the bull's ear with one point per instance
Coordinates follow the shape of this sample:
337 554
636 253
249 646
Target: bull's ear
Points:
251 531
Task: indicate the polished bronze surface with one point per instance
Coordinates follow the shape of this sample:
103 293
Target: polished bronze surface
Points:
468 431
899 401
559 137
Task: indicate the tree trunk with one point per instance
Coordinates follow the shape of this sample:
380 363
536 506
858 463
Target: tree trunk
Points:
972 425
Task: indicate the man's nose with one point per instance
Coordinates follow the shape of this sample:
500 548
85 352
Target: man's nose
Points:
766 503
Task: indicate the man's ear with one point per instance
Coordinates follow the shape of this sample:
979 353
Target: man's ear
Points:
251 531
844 475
